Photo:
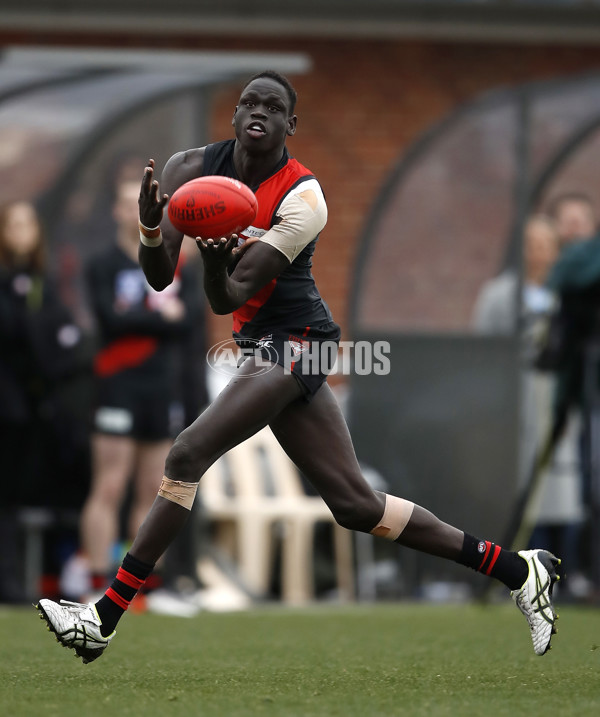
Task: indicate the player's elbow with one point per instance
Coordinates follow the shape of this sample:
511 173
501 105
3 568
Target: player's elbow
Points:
158 283
158 277
227 301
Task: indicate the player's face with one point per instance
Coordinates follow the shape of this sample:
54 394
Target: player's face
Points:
262 117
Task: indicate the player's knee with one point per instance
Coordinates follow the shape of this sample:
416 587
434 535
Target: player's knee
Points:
359 515
184 461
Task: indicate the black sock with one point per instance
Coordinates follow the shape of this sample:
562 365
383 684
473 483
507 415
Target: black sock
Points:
130 578
490 559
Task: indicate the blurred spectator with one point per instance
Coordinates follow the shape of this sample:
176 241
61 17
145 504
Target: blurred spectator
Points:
139 407
193 371
42 442
497 309
574 216
576 280
87 221
558 505
180 568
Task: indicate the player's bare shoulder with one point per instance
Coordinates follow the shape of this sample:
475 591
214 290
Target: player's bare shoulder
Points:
181 168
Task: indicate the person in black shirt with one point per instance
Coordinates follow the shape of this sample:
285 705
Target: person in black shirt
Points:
43 445
139 399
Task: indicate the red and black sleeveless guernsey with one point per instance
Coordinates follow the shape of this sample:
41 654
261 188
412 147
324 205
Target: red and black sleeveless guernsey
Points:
291 302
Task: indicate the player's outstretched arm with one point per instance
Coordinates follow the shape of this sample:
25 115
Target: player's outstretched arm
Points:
154 255
160 242
258 265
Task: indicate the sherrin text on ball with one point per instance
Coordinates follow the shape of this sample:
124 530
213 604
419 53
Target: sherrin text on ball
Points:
212 207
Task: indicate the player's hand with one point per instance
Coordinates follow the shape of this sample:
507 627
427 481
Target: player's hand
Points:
242 248
151 205
217 253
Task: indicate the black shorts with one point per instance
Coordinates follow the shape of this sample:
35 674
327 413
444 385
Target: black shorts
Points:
309 356
139 409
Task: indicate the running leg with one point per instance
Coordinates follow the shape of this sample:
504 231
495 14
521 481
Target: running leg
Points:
244 407
315 436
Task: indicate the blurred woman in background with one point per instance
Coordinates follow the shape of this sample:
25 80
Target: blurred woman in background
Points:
40 349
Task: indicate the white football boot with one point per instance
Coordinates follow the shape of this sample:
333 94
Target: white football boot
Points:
76 626
534 598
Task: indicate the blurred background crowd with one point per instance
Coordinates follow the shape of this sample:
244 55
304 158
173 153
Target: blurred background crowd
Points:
457 142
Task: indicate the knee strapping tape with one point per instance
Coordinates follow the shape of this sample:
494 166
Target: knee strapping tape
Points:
178 491
395 517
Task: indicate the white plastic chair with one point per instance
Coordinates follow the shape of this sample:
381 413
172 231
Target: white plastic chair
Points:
254 487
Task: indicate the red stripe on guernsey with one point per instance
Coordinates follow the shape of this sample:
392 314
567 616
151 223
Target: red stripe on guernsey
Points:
117 599
124 353
269 195
129 579
249 310
488 545
497 550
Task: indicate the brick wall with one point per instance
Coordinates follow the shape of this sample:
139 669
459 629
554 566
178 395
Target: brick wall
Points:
360 107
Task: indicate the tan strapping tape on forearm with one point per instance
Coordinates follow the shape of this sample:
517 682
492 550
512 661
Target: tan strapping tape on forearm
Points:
178 491
395 517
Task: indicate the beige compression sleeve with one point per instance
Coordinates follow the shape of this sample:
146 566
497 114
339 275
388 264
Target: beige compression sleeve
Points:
302 214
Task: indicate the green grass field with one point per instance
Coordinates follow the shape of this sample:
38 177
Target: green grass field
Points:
352 661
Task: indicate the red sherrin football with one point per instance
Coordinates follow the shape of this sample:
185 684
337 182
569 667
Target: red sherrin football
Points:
212 207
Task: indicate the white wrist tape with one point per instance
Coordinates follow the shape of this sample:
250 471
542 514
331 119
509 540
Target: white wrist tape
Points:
395 517
150 236
178 491
151 241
